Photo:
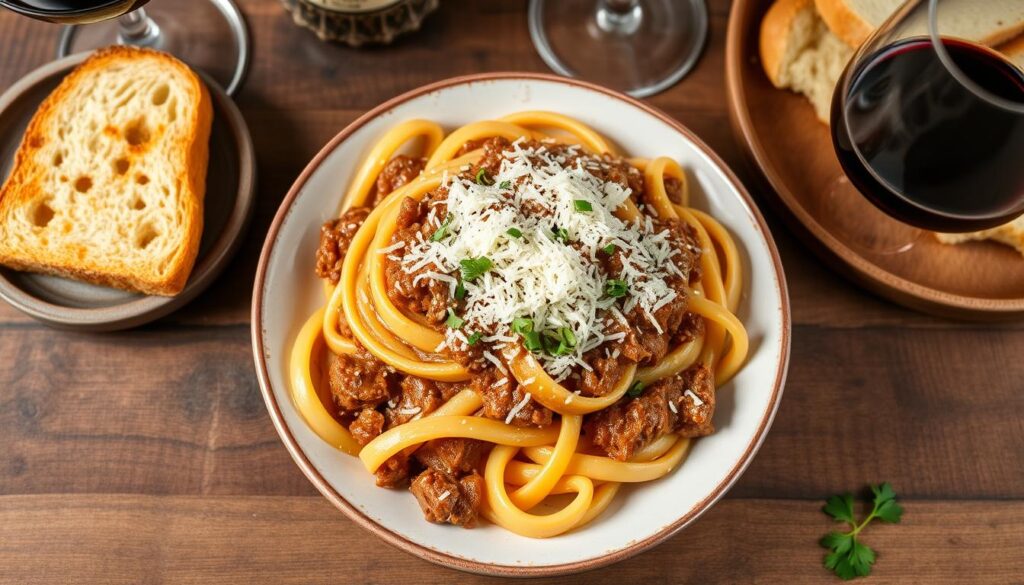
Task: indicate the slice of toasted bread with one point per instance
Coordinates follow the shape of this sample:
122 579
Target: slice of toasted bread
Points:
1011 234
799 53
988 22
108 182
1014 50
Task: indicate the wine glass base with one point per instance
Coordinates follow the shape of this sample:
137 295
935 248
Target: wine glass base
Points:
209 35
856 222
659 42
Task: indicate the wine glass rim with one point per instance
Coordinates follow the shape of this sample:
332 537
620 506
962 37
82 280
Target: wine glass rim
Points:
27 10
957 73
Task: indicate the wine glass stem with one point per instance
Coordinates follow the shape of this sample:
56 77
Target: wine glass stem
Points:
137 28
619 16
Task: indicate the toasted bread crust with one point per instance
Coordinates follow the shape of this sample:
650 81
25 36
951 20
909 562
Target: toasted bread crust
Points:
774 35
21 187
853 30
843 22
1014 49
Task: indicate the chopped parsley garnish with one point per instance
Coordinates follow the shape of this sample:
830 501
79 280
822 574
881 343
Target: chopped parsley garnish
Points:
616 288
531 339
582 205
442 231
568 337
522 325
460 290
557 342
609 249
515 233
561 234
532 342
505 185
849 558
474 337
560 342
472 268
453 320
636 389
482 178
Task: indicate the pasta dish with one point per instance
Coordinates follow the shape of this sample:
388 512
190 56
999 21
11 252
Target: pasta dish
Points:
518 320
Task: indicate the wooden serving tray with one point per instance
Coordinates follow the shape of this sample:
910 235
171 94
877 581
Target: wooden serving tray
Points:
782 136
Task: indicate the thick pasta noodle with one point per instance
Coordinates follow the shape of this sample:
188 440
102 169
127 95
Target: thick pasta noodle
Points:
551 397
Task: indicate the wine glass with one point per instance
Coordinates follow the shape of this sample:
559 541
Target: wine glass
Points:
928 126
640 47
207 34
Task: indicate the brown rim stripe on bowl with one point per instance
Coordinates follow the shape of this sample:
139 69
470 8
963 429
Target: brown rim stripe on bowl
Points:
445 559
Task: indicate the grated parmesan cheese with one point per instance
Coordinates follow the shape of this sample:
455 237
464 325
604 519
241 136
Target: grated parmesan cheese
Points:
391 248
696 399
517 408
497 363
537 276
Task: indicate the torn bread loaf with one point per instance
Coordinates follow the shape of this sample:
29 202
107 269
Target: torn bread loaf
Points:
798 52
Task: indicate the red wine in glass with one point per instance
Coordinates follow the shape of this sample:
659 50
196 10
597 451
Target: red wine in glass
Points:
72 11
923 146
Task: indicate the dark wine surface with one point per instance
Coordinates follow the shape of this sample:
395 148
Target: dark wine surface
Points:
923 146
72 11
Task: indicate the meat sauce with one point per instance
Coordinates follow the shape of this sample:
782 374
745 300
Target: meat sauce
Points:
445 474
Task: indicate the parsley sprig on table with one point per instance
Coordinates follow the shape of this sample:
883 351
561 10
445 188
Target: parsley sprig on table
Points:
848 557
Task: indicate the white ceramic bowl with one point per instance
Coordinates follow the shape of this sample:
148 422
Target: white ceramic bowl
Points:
286 293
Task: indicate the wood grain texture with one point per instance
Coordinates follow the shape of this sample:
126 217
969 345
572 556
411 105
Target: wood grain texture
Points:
147 456
877 405
283 540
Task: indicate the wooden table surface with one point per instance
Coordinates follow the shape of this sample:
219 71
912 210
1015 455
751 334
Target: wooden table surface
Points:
148 457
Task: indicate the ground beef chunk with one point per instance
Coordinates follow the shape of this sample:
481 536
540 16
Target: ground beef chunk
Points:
335 238
696 414
605 374
691 328
500 400
399 171
470 357
492 156
684 238
471 145
619 171
417 397
359 381
643 343
367 426
632 423
455 457
394 472
428 297
674 190
444 498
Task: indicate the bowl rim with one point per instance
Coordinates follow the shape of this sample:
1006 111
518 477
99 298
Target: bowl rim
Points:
209 265
449 560
739 43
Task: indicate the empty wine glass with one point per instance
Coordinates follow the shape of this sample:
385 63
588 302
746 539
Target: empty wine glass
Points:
640 47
